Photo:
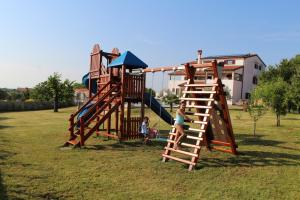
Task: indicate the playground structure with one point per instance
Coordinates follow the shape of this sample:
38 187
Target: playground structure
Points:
120 82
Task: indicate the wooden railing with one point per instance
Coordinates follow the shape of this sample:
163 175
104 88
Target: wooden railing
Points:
72 121
131 131
134 86
103 79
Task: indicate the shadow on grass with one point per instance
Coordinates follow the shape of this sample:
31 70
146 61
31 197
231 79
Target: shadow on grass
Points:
4 118
253 159
290 118
3 126
245 139
4 155
135 145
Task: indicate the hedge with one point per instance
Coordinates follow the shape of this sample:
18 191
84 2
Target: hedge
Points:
6 106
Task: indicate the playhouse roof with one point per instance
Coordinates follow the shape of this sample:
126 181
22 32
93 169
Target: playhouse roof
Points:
130 60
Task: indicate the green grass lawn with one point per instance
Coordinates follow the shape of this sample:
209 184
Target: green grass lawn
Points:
33 166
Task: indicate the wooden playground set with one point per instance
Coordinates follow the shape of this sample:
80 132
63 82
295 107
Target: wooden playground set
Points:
117 81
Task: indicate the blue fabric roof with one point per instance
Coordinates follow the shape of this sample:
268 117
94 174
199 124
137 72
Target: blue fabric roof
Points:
130 60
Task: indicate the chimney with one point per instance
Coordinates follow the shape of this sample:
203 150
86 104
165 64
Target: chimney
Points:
199 58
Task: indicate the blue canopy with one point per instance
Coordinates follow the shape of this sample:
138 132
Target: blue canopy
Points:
130 60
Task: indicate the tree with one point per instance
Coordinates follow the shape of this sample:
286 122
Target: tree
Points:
227 92
3 94
14 95
256 108
275 95
150 91
294 92
77 85
54 90
171 99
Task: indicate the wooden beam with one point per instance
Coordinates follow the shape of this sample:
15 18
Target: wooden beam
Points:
176 67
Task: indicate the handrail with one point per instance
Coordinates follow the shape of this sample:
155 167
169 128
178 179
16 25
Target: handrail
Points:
100 109
90 132
101 99
94 106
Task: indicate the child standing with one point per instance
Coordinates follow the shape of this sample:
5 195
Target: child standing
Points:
145 129
179 123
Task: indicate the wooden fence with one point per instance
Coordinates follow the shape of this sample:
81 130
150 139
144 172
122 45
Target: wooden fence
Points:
134 86
132 131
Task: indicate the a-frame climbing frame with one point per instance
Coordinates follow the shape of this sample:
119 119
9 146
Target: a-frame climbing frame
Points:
212 128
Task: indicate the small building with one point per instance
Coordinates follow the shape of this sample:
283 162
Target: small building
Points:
240 75
81 95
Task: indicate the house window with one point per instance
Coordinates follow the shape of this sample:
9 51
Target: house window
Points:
229 62
254 81
229 76
247 95
238 77
256 66
259 67
209 77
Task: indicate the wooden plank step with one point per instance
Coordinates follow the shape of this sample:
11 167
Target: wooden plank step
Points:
197 114
199 122
197 106
196 99
171 141
194 138
73 142
201 85
222 149
182 152
179 159
220 143
196 130
190 145
199 92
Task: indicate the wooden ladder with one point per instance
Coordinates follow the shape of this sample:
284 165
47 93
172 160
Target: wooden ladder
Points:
201 98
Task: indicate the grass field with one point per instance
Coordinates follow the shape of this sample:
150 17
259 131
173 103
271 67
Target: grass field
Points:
34 167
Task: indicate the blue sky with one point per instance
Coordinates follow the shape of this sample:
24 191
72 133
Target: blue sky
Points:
38 38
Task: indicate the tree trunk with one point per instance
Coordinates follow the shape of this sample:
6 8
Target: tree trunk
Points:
254 128
171 107
299 110
55 109
278 119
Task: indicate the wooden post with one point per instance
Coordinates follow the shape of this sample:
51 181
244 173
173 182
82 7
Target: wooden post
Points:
71 125
117 121
81 132
129 119
122 102
143 85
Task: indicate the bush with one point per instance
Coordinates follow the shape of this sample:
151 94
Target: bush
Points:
6 106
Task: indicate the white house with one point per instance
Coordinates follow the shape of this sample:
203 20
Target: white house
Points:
240 75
